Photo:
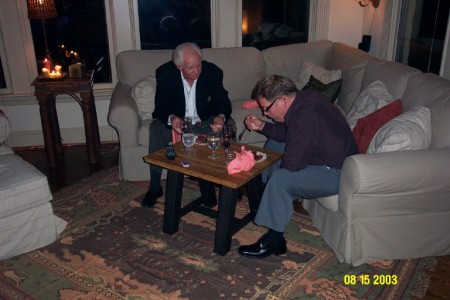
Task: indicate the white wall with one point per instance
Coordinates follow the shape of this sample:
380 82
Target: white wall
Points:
345 25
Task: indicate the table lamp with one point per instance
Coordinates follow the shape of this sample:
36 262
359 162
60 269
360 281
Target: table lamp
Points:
42 10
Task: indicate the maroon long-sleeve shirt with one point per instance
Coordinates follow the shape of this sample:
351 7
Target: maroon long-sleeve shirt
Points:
315 133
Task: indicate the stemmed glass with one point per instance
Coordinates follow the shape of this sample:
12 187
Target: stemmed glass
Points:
188 139
228 134
187 127
213 143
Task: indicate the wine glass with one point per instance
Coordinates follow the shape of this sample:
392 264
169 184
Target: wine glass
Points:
188 139
213 142
227 138
187 127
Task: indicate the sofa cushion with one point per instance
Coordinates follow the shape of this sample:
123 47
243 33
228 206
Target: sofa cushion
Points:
242 68
143 93
352 63
329 90
373 97
320 73
432 91
366 127
22 186
287 60
409 131
133 65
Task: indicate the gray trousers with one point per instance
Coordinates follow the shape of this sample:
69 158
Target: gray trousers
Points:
284 186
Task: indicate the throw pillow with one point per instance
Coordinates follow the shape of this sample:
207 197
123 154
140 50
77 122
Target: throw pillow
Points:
373 97
143 93
329 91
409 131
323 75
366 127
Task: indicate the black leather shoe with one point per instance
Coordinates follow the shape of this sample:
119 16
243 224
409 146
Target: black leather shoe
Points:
263 248
150 198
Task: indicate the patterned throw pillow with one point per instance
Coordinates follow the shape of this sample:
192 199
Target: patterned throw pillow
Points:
329 91
366 127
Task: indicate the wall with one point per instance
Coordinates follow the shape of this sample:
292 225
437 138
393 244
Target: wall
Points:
344 25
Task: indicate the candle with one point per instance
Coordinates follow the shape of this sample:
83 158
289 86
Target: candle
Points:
47 64
45 72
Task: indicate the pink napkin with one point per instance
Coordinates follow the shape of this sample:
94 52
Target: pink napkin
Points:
244 161
250 104
175 137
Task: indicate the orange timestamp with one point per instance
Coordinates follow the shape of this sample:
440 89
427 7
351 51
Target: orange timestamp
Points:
372 279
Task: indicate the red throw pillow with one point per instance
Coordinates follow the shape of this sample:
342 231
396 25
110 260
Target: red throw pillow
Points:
366 127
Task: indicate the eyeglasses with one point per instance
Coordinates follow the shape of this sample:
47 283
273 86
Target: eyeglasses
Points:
266 109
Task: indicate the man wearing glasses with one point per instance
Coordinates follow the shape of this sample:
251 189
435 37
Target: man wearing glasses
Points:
315 139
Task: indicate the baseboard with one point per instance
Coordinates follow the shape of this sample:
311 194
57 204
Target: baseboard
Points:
29 138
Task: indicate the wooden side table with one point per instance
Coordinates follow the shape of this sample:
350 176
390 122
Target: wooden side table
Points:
46 92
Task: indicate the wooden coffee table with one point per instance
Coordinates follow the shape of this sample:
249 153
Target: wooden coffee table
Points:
213 171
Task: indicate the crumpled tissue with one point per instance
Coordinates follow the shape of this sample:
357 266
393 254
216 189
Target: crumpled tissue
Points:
244 161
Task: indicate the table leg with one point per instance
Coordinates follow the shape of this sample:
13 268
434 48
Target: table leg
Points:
55 123
95 121
45 109
225 220
172 206
255 191
89 126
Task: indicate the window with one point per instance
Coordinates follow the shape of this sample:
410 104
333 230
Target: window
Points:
422 33
271 23
80 27
163 24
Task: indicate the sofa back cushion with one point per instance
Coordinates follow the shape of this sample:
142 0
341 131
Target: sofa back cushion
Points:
287 60
352 63
431 91
133 65
393 75
242 68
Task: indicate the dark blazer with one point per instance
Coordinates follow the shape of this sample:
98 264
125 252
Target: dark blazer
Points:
211 97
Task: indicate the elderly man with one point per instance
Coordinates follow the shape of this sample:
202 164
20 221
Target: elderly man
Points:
315 139
187 86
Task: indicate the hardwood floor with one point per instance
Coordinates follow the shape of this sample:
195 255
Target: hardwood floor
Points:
73 166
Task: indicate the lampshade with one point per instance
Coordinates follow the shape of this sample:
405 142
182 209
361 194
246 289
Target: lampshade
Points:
41 9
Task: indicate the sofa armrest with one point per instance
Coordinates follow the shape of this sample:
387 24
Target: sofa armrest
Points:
123 115
400 182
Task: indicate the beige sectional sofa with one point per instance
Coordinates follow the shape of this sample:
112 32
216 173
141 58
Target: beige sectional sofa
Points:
391 205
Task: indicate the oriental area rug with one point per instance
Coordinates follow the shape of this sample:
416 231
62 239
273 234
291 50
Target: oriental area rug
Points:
114 249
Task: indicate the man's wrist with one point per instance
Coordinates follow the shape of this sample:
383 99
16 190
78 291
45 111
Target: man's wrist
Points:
169 120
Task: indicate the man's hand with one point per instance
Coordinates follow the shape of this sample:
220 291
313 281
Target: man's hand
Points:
218 123
254 123
177 124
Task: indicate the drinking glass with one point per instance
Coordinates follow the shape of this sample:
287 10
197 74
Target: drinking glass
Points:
229 133
213 143
188 139
187 127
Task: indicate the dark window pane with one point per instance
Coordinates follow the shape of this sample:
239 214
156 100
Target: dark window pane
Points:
79 27
163 24
421 34
271 23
